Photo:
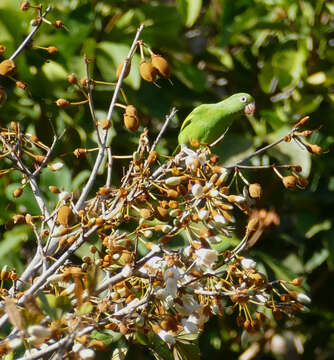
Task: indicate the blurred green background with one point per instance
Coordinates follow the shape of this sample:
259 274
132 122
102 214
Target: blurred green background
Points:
280 51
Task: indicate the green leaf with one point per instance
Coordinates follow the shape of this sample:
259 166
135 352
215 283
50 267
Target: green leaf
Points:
315 229
80 179
316 260
110 56
189 10
13 238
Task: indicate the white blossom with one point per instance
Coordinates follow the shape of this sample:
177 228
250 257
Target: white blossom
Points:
206 257
166 337
190 324
248 263
197 190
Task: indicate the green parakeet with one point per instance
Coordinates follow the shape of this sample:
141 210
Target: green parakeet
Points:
209 121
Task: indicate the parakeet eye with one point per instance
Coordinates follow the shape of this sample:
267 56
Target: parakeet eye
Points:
243 99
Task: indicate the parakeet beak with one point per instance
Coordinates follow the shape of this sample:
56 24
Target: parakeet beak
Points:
249 108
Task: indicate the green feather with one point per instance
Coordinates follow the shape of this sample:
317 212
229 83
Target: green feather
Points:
209 121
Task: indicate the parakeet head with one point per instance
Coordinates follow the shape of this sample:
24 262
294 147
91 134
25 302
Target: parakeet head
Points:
242 101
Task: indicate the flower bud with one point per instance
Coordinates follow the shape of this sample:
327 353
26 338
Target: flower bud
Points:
7 68
289 182
72 79
255 191
17 192
105 124
173 181
314 149
2 49
62 103
52 50
24 5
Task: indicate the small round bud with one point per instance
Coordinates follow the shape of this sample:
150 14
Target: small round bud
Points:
24 5
79 152
62 103
21 84
17 192
52 50
7 68
289 182
72 79
58 24
255 191
2 49
105 124
54 189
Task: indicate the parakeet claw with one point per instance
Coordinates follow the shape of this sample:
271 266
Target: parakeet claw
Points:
250 108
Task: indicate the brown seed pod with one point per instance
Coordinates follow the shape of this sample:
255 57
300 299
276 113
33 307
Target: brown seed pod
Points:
7 68
52 50
131 122
145 213
131 110
21 84
104 190
161 65
105 124
3 95
314 149
120 68
255 191
147 71
79 152
24 5
62 102
54 189
72 79
289 182
17 192
2 49
65 216
58 24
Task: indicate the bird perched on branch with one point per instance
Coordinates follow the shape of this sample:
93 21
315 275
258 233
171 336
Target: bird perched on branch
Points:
207 122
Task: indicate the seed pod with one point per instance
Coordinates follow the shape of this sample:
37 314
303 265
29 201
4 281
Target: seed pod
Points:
145 213
72 79
162 214
120 68
54 189
296 281
79 152
2 49
255 191
314 149
130 110
21 84
7 68
3 95
105 124
52 50
147 71
58 24
18 219
289 182
131 122
65 216
17 192
161 65
104 190
24 5
62 102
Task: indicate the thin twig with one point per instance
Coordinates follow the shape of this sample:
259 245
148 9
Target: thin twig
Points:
109 167
90 101
27 40
168 119
100 154
221 137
